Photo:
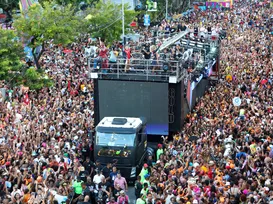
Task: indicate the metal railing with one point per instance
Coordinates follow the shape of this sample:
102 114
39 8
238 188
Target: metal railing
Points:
137 69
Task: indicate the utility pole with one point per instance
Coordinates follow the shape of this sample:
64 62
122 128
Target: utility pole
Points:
166 9
123 29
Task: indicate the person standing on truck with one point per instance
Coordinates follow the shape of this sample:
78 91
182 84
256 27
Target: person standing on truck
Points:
143 172
159 151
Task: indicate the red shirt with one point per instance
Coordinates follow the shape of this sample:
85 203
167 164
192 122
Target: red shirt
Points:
128 53
103 52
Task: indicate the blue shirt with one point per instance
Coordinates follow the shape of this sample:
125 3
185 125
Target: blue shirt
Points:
113 176
240 154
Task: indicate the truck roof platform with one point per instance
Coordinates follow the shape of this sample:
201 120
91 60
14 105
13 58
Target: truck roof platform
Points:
121 123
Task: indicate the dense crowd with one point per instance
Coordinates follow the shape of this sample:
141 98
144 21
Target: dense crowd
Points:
46 137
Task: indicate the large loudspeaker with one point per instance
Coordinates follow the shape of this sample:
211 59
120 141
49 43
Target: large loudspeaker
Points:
178 107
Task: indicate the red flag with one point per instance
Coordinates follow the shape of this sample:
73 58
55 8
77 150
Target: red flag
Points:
26 99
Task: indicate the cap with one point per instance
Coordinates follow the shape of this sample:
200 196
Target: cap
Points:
195 201
211 163
195 164
147 176
159 145
122 192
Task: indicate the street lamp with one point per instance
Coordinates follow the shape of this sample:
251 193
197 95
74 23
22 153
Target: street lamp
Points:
166 10
123 29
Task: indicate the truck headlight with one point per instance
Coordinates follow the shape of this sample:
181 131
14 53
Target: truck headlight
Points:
133 172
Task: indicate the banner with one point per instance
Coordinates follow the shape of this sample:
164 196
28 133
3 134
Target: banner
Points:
147 20
25 4
151 5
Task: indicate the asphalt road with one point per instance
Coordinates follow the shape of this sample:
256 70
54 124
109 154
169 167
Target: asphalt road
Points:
131 194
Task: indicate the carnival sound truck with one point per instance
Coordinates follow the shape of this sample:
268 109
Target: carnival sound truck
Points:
130 111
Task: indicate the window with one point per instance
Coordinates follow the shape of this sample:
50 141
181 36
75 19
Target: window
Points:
115 139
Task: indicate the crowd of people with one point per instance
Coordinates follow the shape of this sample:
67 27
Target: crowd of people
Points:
46 136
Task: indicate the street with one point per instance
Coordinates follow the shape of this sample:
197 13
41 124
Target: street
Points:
131 194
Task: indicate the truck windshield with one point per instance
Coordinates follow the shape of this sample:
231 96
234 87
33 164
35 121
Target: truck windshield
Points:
115 139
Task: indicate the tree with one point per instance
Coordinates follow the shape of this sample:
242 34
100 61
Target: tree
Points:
12 68
8 6
105 20
11 53
75 3
41 24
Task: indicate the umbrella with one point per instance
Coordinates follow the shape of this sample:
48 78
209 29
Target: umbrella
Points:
66 51
193 138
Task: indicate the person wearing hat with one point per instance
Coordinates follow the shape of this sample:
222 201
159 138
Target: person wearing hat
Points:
159 151
146 179
144 171
112 201
123 198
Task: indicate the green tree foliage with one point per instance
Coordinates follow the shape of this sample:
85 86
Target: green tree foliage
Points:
75 3
11 52
36 80
13 69
48 22
105 20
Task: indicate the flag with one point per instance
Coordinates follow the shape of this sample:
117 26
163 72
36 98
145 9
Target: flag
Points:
25 4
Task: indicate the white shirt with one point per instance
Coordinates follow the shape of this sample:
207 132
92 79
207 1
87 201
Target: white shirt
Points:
168 199
58 198
97 178
15 192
